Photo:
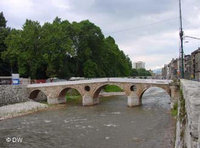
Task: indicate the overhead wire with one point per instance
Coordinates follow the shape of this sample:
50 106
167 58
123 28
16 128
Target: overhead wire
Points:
142 26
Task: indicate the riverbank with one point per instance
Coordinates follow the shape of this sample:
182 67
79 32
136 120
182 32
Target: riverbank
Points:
19 109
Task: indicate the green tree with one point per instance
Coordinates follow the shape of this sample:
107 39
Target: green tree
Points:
143 72
2 20
134 72
25 48
5 68
62 49
89 45
57 46
90 69
116 63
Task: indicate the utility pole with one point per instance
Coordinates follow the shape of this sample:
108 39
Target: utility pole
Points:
181 39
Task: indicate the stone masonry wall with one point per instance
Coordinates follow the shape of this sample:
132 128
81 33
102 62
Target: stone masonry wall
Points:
188 131
10 94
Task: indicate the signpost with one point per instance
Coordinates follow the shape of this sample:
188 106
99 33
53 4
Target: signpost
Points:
15 79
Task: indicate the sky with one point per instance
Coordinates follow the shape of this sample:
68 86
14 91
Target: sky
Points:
146 30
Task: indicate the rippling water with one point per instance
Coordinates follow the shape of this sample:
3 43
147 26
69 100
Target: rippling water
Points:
111 124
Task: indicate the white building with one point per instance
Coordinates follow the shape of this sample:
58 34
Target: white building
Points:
138 65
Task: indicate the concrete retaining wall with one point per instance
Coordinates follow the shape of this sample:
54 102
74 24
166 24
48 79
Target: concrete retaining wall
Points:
188 129
10 94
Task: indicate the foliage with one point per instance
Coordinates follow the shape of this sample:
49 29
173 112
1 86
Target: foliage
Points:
182 115
112 88
134 72
73 97
143 72
182 108
140 72
174 110
63 49
2 21
5 68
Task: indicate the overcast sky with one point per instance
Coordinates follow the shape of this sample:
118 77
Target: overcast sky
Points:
146 30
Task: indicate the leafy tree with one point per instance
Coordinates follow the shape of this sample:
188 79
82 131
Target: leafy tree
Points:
134 72
116 62
56 46
62 49
2 20
143 72
90 69
5 68
25 48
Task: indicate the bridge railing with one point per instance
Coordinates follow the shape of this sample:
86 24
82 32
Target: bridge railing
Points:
101 80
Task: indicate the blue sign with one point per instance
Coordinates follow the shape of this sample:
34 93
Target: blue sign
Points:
15 81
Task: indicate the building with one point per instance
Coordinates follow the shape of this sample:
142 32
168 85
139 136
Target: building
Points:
191 67
188 67
138 65
195 57
171 70
164 71
174 72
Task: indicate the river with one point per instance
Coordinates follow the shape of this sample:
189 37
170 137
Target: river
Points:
110 124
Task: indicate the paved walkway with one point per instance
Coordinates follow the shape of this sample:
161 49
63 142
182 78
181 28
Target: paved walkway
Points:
19 109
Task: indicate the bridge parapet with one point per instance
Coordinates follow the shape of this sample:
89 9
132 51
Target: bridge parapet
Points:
189 115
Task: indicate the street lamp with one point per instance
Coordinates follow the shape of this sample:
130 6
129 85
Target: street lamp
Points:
192 37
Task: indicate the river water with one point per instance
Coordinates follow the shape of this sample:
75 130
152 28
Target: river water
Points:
110 124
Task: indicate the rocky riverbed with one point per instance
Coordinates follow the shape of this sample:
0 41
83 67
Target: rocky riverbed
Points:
18 109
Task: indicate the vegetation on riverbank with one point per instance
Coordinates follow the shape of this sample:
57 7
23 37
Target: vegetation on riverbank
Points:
74 99
112 88
174 110
61 49
73 96
182 115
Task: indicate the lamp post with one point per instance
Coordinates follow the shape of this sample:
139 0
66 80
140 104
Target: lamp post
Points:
192 37
181 33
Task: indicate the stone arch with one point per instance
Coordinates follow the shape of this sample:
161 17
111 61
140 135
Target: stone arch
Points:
100 87
62 93
145 89
38 95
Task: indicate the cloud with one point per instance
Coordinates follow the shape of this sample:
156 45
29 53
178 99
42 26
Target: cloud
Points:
145 30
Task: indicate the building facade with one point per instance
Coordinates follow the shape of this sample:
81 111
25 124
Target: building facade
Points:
195 57
191 67
138 65
171 70
188 67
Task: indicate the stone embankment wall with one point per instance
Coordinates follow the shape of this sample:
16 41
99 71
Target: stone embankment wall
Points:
10 94
188 118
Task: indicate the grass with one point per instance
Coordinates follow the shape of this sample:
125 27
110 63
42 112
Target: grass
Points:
75 99
182 114
174 110
182 108
112 88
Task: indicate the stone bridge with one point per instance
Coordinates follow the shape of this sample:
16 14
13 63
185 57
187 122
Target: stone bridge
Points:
90 89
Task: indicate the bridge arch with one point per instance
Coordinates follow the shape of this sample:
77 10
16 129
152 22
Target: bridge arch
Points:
149 87
63 92
38 95
100 87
